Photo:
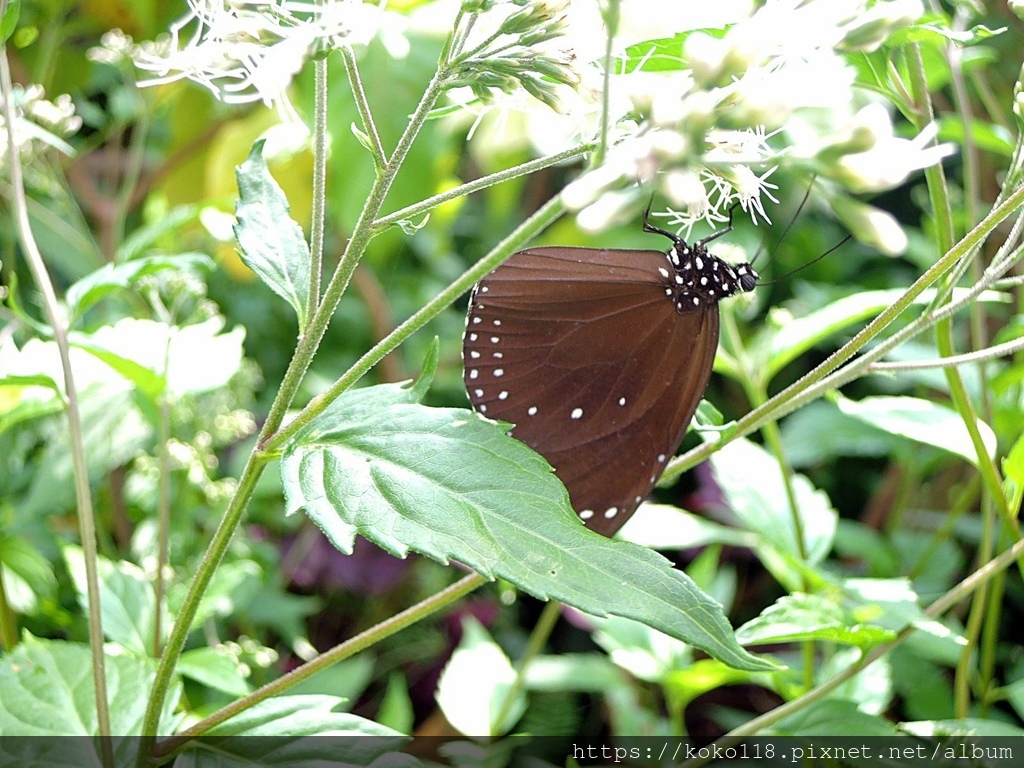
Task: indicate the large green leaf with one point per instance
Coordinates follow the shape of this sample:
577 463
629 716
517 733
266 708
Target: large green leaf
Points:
127 600
920 420
450 484
753 485
273 245
298 725
476 684
800 617
111 277
46 689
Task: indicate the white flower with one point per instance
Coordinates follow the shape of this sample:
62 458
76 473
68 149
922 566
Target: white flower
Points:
890 161
250 50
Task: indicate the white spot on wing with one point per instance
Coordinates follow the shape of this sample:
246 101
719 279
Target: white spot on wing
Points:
586 514
473 373
495 339
577 413
622 401
531 411
503 394
499 372
611 512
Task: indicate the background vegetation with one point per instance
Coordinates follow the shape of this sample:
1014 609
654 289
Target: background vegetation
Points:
906 483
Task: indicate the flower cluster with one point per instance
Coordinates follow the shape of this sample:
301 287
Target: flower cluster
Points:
39 125
250 50
773 89
518 53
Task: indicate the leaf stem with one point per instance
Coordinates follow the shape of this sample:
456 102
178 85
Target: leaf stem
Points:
538 638
360 642
318 215
813 384
981 576
522 234
83 493
477 184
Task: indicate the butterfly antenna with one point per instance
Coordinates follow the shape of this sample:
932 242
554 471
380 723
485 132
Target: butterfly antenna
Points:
805 266
792 221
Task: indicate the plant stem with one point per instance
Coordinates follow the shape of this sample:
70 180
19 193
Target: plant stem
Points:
8 624
362 232
806 389
981 576
163 513
538 638
83 494
360 642
522 234
363 107
183 622
477 184
318 214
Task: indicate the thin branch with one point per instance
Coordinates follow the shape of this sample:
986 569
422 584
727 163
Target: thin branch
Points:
83 498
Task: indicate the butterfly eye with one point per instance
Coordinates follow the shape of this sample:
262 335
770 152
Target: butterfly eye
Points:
599 358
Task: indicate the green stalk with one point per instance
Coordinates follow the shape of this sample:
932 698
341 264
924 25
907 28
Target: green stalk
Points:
807 388
538 639
751 728
548 213
83 494
318 214
360 642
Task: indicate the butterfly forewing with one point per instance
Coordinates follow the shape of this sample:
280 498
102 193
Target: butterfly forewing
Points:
583 351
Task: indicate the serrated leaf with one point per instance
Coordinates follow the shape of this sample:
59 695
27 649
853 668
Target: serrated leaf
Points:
753 487
449 484
111 277
476 683
46 689
272 244
797 617
921 421
127 600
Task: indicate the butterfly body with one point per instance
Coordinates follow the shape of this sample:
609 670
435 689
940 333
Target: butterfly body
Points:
599 357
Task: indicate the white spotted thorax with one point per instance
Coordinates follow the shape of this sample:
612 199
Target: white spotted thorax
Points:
599 357
698 277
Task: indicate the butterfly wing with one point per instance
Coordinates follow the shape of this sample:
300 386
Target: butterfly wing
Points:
584 351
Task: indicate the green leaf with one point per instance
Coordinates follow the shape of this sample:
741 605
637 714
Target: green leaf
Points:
305 716
666 54
800 616
27 574
23 398
111 277
9 21
583 672
663 526
272 244
396 710
642 651
46 689
127 600
1013 472
819 432
306 720
476 684
921 421
833 717
968 726
450 484
754 490
215 668
790 337
159 358
218 600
